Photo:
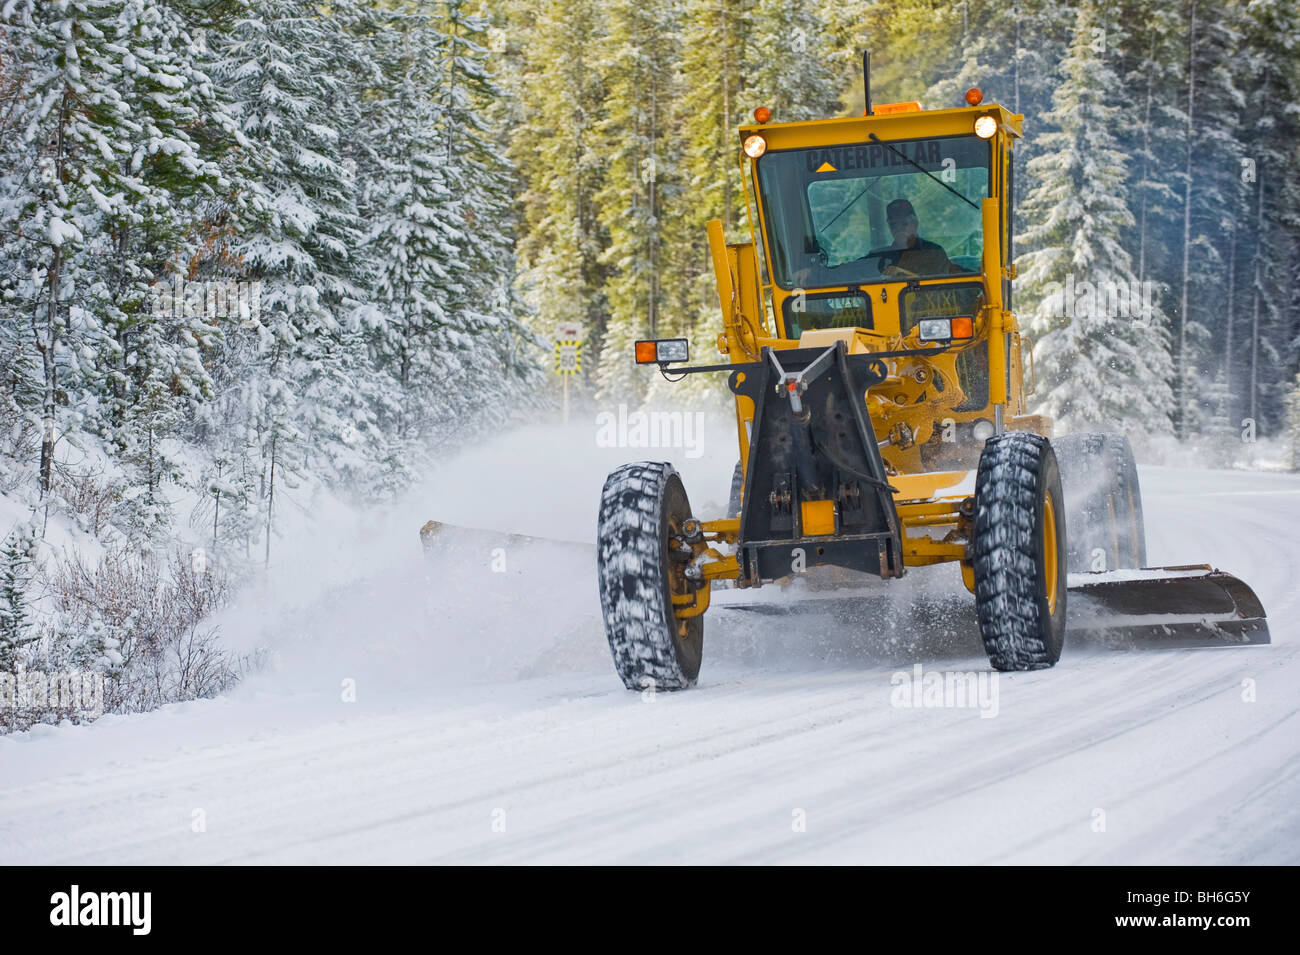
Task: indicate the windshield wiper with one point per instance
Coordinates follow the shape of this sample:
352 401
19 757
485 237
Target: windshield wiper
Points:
898 152
845 208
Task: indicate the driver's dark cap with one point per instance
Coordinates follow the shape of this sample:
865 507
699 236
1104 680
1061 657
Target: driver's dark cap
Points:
899 210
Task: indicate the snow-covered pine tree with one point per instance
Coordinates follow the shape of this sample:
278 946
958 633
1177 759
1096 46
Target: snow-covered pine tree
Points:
717 58
1010 51
288 65
856 25
17 553
414 237
1105 369
1210 201
1149 57
134 88
1292 410
485 332
1270 267
556 147
1220 435
718 61
226 511
20 372
793 71
277 60
151 368
76 131
643 181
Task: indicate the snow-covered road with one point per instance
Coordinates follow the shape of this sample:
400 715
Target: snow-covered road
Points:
488 724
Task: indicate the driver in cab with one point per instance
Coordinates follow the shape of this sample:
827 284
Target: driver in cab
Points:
910 255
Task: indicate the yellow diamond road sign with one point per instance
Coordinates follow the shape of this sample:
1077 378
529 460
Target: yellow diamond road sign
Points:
568 357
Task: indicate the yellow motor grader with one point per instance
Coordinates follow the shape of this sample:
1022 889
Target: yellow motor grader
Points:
879 378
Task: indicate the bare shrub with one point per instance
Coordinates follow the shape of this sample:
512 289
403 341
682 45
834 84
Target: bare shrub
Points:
140 619
88 496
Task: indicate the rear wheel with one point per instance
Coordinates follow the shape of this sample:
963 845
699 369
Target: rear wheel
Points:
1018 552
1130 533
641 563
1103 502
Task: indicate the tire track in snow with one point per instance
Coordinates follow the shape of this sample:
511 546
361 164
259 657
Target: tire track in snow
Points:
591 774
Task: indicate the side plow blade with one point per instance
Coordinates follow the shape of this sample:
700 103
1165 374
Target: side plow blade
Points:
437 538
1166 607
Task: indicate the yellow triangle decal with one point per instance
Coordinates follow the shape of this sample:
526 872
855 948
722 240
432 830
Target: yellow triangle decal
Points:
826 167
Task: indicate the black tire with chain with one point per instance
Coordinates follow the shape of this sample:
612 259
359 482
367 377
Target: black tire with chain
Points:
1103 502
642 508
1019 597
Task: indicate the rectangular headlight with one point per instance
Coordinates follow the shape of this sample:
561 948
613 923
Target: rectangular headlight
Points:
935 329
673 349
662 351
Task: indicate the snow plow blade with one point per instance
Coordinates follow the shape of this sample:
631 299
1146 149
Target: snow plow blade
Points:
437 538
1154 608
1166 607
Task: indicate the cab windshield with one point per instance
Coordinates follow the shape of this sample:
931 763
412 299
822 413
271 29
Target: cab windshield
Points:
857 214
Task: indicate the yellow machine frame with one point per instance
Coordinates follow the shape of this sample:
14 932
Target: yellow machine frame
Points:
935 507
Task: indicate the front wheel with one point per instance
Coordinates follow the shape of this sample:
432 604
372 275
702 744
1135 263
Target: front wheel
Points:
641 564
1019 552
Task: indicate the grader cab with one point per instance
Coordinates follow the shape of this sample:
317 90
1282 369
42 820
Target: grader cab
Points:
879 379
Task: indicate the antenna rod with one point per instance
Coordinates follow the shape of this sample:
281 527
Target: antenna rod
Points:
866 80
